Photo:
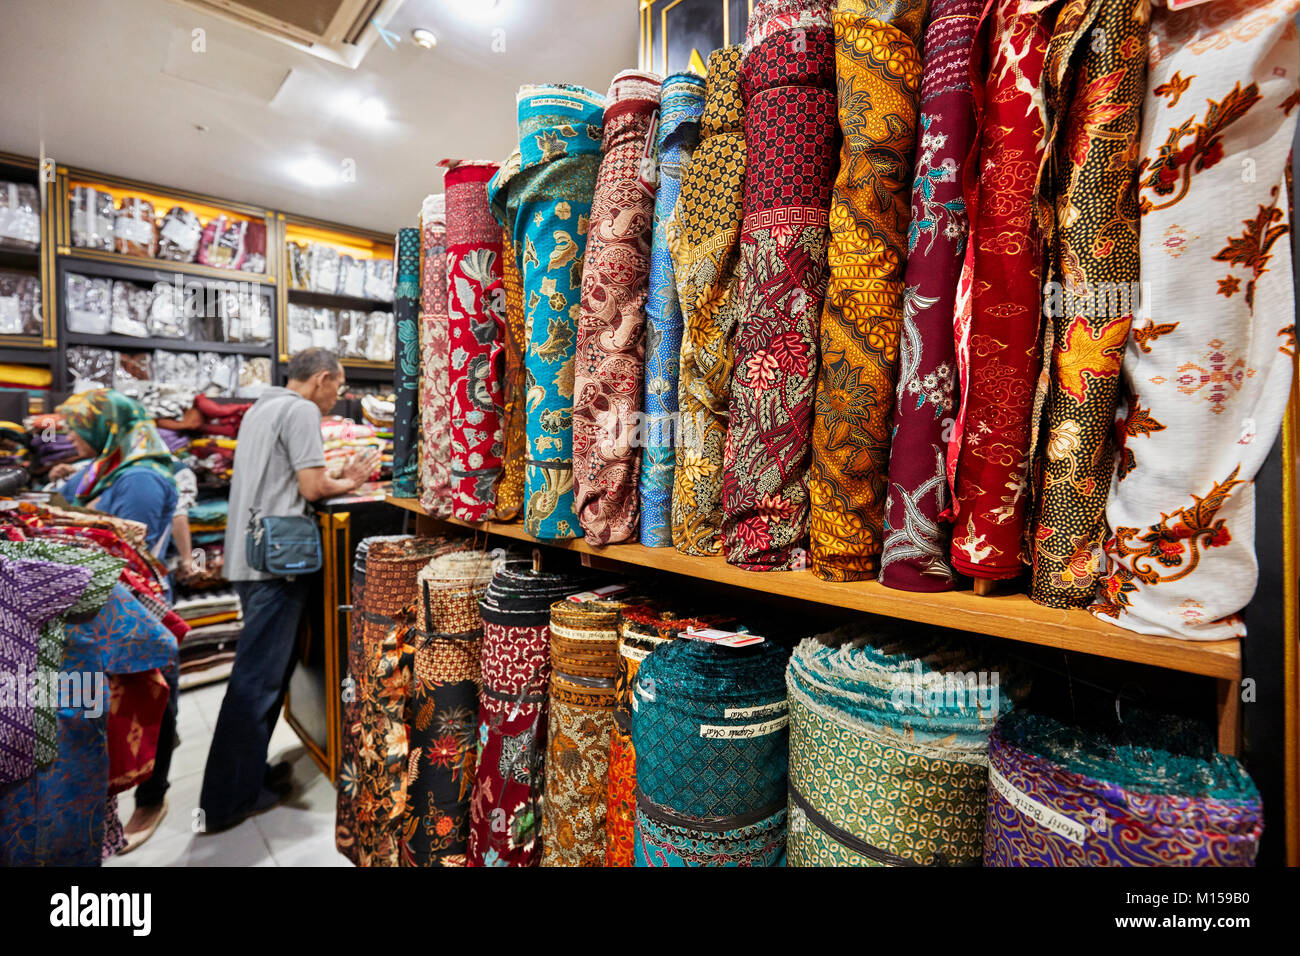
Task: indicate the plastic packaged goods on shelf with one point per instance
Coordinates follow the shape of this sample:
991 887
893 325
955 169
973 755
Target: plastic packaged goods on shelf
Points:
222 243
20 304
89 304
92 218
181 368
130 369
20 216
168 315
131 305
135 232
178 235
89 368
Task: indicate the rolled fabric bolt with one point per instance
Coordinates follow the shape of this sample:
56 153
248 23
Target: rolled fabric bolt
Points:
610 365
435 353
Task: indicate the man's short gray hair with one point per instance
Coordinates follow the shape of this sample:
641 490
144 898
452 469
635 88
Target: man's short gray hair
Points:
306 364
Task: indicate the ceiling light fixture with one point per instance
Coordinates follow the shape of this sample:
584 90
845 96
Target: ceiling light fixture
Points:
424 38
315 172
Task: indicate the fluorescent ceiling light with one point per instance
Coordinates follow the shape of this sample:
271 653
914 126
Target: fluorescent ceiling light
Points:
315 172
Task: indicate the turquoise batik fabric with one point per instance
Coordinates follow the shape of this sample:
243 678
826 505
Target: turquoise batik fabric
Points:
406 365
680 108
545 204
662 842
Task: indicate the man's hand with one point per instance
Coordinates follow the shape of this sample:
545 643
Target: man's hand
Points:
360 467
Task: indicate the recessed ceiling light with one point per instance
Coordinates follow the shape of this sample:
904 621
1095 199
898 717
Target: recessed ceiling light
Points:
424 38
314 171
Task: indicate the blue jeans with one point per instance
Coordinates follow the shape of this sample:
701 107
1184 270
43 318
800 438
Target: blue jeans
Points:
264 657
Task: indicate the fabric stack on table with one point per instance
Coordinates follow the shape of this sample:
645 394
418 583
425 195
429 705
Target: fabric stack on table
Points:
216 621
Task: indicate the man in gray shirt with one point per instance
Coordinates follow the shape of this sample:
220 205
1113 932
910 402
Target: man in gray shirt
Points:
279 468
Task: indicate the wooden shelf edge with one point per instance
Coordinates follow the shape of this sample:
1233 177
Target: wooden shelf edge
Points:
1011 616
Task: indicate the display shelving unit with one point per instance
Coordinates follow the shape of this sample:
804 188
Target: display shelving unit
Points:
358 243
37 349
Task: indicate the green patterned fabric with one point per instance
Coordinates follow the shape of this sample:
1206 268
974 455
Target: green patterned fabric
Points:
104 572
889 747
406 363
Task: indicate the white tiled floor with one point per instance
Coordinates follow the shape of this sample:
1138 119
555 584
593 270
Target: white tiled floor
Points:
299 832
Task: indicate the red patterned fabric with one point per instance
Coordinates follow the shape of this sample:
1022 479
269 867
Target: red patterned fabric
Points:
136 706
788 81
1000 300
607 375
917 539
477 322
435 354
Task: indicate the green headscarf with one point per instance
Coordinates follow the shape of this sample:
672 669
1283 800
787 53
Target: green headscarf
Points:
122 434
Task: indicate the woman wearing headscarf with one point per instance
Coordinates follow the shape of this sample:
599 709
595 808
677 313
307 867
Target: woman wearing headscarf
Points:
130 476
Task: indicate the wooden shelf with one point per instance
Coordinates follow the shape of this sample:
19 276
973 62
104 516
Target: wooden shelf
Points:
1011 616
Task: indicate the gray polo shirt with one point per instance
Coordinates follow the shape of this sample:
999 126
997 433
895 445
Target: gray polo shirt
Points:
279 437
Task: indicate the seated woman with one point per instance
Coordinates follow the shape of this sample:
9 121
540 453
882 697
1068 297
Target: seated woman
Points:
130 477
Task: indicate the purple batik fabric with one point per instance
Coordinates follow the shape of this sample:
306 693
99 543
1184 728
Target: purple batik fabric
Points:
917 538
31 593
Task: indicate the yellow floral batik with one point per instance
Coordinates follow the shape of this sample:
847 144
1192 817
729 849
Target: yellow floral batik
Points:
878 75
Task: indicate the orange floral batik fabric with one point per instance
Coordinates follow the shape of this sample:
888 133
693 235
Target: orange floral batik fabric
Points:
703 237
1209 361
878 78
510 488
1095 81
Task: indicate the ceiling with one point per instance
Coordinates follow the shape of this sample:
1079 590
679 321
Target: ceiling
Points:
116 86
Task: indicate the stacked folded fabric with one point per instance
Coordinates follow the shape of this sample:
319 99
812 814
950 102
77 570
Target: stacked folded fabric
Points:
344 438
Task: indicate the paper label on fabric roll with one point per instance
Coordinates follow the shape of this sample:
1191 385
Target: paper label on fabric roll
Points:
744 731
1058 823
762 710
725 638
557 101
633 653
598 593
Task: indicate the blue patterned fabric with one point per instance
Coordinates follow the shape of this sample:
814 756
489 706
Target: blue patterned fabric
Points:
544 203
56 816
661 843
709 725
680 108
406 364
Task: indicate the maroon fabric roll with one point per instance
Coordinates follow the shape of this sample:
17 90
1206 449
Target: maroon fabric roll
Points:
917 539
791 133
610 366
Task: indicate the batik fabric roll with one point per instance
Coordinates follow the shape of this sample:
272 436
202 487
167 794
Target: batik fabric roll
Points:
611 327
355 704
889 747
1208 368
442 710
392 567
1095 91
435 355
584 663
709 727
1000 298
917 539
878 71
510 489
642 628
1152 792
680 106
515 668
477 324
545 205
788 81
703 237
406 363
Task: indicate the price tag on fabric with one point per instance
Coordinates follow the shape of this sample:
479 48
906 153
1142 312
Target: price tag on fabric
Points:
595 595
725 638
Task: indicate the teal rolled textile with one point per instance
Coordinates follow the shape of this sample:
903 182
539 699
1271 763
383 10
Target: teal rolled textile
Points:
544 203
680 108
406 364
709 726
